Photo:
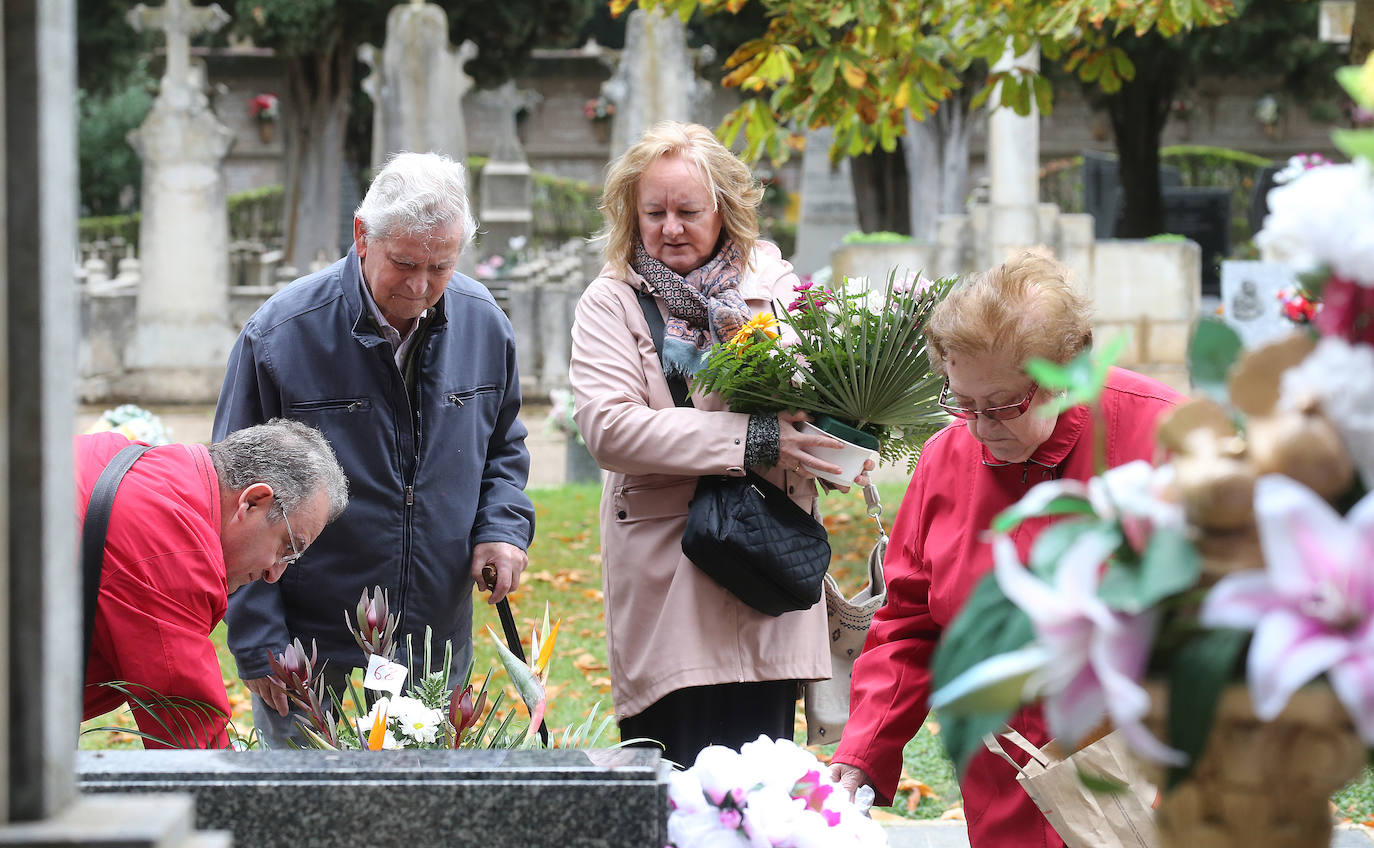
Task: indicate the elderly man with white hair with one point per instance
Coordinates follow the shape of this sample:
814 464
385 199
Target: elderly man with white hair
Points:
408 367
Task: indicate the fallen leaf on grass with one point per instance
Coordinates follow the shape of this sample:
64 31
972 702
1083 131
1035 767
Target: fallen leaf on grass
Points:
823 757
595 559
882 816
955 814
593 595
587 663
539 576
601 684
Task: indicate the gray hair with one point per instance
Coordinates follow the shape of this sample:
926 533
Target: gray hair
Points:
291 457
416 194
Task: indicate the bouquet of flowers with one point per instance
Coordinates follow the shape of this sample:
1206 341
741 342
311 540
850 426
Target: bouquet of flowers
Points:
132 422
431 713
853 356
769 793
1245 557
265 107
599 108
560 420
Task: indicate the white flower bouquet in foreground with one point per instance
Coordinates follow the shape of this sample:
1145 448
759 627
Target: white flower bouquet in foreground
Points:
769 794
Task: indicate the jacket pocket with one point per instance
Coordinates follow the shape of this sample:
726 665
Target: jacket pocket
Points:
461 397
653 501
333 405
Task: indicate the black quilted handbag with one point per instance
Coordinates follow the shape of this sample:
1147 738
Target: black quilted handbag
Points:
750 537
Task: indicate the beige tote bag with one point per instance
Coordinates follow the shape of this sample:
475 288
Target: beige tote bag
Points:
827 701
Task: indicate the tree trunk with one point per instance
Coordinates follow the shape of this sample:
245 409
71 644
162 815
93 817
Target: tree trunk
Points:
880 191
1362 31
315 125
937 164
1138 113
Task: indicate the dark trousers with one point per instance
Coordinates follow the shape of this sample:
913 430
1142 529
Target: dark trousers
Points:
729 714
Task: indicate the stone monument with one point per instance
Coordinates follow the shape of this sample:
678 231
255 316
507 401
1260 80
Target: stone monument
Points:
183 336
655 79
828 210
1013 169
417 85
506 190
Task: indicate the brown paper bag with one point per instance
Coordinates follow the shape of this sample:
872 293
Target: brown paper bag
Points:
1085 818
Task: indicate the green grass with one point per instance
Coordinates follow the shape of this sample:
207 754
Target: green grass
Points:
565 572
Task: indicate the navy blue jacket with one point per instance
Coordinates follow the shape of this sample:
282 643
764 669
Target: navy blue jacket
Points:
427 481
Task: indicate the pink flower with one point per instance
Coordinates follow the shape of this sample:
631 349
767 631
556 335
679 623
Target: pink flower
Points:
1312 609
1095 656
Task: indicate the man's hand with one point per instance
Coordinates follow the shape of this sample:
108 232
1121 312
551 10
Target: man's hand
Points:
507 560
272 695
850 778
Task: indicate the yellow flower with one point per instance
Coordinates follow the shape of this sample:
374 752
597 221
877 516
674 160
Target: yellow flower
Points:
763 324
1366 83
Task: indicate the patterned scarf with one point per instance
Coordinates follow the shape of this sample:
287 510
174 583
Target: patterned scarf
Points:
704 307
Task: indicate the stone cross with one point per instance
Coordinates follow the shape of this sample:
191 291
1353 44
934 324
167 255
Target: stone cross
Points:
179 20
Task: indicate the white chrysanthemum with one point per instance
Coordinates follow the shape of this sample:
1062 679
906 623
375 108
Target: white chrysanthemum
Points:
1322 218
416 721
1341 376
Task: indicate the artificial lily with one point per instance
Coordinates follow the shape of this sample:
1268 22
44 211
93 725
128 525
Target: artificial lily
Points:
1312 608
1095 656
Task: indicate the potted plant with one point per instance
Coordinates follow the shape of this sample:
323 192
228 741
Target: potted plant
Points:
853 357
1217 610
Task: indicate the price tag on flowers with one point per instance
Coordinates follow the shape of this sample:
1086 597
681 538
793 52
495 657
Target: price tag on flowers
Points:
384 676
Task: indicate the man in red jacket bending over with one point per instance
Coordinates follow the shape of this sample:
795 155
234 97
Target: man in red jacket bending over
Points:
189 525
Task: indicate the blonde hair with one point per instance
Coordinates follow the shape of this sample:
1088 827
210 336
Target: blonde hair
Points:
731 184
1024 308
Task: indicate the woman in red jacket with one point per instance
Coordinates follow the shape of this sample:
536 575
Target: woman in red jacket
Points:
981 336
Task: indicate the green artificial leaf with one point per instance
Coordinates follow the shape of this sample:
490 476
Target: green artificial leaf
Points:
1349 78
989 624
995 685
1211 352
1080 379
1052 542
1357 144
1168 566
1008 519
1100 783
1202 668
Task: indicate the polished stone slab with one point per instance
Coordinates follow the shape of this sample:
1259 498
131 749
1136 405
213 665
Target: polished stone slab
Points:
416 799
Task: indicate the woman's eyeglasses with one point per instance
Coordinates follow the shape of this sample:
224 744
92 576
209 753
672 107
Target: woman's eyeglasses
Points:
996 413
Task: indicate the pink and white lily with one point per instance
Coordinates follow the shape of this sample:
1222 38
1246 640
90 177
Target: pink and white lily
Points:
1312 608
1094 657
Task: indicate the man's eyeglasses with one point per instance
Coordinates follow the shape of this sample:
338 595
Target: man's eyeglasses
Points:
996 413
289 559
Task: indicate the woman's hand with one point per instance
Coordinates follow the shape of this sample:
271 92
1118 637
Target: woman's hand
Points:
850 778
794 446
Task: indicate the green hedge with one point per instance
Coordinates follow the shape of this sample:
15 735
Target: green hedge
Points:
563 209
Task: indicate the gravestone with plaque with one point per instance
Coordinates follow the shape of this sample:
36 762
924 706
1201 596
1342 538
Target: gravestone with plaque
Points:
1102 197
1249 295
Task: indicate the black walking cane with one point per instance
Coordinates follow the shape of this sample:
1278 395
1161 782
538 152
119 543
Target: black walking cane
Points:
512 634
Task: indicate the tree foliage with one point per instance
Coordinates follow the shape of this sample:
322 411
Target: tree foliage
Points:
859 66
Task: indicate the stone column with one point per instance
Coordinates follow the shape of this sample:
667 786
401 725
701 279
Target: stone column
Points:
183 337
40 622
1013 169
417 85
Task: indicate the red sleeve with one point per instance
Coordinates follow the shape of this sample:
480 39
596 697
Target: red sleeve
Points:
174 658
891 684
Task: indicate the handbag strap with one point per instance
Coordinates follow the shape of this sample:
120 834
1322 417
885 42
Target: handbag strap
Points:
676 384
93 531
1026 745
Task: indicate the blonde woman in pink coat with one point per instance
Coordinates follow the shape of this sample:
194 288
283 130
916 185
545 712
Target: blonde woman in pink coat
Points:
690 664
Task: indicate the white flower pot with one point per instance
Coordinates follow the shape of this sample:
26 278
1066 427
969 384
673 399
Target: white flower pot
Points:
850 458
